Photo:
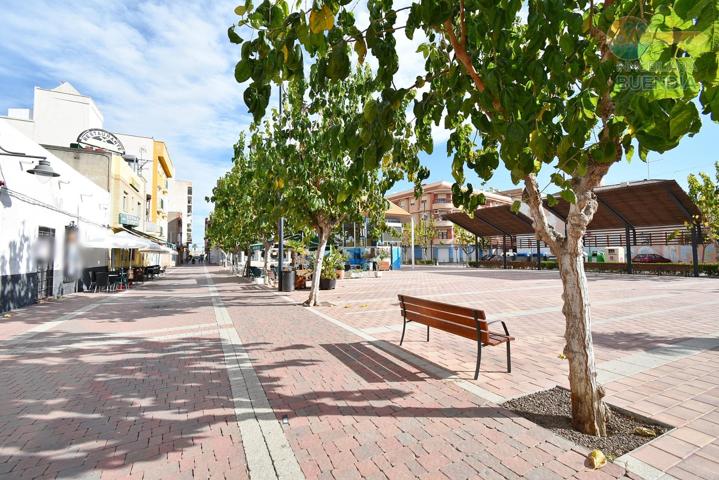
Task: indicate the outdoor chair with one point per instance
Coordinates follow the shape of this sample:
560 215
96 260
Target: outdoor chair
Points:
102 280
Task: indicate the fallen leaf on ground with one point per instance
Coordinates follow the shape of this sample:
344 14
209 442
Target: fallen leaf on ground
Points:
645 432
597 459
562 356
7 315
364 305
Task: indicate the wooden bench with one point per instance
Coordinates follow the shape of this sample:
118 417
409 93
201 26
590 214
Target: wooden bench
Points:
462 321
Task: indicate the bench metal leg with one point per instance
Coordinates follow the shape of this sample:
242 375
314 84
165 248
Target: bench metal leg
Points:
479 359
509 358
404 327
428 333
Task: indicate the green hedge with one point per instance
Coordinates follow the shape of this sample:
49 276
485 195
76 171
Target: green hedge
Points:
708 269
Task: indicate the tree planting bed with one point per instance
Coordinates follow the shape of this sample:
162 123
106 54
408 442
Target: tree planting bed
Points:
552 410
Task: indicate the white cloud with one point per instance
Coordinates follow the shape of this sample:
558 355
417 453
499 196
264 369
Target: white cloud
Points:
159 68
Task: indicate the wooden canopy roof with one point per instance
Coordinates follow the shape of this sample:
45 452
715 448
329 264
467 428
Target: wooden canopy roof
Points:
649 203
493 221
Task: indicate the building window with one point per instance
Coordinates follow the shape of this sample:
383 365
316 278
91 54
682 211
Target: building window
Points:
189 191
162 204
189 209
442 234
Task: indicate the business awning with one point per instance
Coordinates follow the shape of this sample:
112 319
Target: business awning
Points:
122 240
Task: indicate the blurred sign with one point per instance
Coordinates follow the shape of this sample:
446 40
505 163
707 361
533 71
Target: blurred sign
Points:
129 220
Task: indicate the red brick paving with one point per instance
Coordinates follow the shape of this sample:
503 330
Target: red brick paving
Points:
137 388
95 396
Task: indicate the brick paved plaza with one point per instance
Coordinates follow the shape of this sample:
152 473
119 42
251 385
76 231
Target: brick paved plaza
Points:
201 375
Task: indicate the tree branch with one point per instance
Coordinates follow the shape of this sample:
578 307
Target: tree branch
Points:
545 232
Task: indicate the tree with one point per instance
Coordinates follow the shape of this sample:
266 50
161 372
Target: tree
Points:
466 241
705 193
245 209
426 231
323 173
574 89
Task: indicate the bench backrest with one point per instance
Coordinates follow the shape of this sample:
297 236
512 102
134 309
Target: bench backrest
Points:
454 319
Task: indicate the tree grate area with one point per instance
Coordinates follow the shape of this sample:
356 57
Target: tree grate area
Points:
552 410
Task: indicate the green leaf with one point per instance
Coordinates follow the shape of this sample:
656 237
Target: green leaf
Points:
233 36
568 196
516 205
360 49
321 20
243 70
338 66
242 9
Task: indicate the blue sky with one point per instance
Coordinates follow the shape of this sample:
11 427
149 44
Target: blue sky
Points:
164 68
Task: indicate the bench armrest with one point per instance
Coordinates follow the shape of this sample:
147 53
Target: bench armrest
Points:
504 326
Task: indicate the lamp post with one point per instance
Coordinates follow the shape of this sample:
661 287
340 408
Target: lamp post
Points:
280 232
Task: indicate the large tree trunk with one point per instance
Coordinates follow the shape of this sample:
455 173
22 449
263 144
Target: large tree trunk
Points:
323 233
589 414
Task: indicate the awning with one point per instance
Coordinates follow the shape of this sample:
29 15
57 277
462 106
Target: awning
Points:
121 240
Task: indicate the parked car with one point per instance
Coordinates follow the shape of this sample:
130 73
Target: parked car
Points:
650 258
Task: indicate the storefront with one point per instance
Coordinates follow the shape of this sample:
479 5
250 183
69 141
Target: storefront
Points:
46 210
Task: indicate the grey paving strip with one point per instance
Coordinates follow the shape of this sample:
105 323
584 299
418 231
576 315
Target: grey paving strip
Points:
690 306
644 470
655 357
267 451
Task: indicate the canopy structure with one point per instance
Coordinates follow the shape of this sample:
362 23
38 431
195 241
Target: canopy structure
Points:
646 204
395 211
120 240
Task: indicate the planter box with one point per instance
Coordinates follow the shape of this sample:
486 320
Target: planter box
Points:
328 284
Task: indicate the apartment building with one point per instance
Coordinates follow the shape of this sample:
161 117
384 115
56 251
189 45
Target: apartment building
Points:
435 202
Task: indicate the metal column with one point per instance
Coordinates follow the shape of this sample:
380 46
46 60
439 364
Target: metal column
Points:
281 252
696 232
629 249
411 252
476 250
539 255
504 251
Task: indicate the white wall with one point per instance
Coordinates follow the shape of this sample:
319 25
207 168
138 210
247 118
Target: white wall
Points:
178 203
27 203
142 148
61 114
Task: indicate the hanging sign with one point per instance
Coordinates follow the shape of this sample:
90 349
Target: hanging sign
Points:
102 139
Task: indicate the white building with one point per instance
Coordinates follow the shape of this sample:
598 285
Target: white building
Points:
44 221
58 116
180 199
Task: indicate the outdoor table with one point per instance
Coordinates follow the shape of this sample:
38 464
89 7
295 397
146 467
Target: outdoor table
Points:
113 279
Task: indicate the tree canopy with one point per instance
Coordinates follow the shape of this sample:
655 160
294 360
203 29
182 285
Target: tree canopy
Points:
574 89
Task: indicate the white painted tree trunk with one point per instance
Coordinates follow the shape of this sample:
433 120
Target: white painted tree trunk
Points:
267 244
315 287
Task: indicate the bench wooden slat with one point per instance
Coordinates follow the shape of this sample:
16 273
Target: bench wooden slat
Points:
456 309
454 328
467 321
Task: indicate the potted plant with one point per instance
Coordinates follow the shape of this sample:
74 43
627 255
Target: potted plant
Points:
340 259
328 275
383 256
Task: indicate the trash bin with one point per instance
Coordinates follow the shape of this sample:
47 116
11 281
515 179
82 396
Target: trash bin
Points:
288 280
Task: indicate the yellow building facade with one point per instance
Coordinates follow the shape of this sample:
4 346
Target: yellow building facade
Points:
162 171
